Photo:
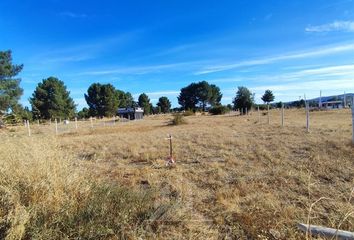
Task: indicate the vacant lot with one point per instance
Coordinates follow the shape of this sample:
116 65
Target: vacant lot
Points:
236 178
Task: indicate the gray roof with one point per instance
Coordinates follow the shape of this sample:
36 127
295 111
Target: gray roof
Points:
129 110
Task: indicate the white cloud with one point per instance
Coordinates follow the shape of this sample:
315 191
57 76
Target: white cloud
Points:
158 94
321 73
345 26
268 60
140 69
52 56
175 50
342 70
288 86
73 58
226 80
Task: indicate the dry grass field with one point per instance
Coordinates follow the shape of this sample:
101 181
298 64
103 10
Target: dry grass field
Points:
235 178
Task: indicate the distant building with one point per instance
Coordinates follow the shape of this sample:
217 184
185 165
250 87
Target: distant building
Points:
332 104
131 113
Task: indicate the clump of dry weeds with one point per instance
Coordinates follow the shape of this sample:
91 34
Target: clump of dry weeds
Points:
46 194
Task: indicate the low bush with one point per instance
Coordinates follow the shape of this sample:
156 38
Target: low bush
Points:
262 107
12 119
178 119
218 110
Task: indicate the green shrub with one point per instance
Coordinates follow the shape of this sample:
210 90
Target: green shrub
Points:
178 119
218 110
12 119
262 107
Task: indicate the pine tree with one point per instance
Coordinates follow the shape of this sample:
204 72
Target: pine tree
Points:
51 99
10 91
144 102
268 97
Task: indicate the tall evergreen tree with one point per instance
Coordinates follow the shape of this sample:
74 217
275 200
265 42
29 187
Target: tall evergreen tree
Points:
144 102
244 99
188 98
10 90
164 105
51 99
84 113
215 95
126 100
199 94
203 93
268 97
102 99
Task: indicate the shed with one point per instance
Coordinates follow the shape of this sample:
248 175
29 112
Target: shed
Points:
131 113
332 104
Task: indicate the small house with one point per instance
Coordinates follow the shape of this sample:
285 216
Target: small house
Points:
131 113
332 104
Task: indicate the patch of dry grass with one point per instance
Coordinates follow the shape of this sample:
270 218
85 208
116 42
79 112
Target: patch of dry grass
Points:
236 177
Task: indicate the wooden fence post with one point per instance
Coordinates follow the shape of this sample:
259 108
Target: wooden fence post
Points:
38 122
29 129
307 118
91 122
76 123
170 160
353 121
282 115
268 114
345 100
56 127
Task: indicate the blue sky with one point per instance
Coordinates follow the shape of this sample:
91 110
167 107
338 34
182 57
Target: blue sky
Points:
157 47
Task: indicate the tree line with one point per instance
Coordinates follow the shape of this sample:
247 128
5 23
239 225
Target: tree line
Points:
51 99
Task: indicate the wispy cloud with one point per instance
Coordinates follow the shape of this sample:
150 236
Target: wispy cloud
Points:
268 60
226 80
332 4
72 15
320 73
340 70
343 84
175 50
287 86
138 70
80 51
290 91
345 26
158 94
73 58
